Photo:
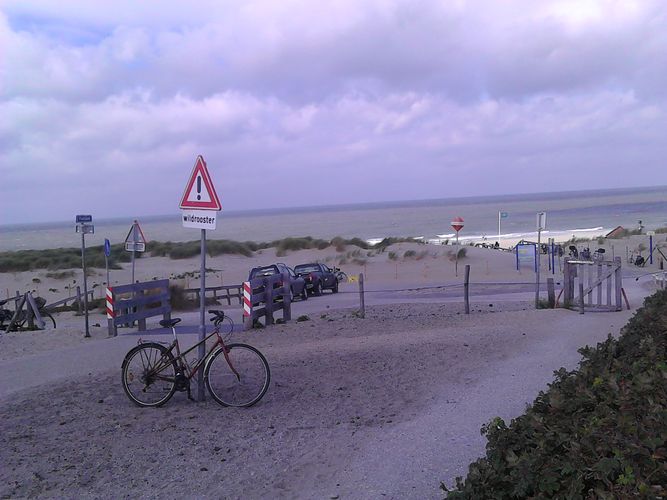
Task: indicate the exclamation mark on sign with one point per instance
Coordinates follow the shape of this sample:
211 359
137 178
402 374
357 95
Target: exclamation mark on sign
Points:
198 187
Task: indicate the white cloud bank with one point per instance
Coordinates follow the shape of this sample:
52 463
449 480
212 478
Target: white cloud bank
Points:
105 110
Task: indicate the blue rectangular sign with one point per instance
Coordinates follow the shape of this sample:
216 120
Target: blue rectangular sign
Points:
84 218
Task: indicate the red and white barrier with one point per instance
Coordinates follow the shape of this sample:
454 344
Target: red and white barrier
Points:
110 311
247 303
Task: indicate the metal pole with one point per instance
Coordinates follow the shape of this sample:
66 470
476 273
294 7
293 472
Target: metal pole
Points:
106 264
650 249
537 270
202 316
85 281
456 265
133 252
499 226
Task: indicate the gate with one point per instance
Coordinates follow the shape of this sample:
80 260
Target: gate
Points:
595 285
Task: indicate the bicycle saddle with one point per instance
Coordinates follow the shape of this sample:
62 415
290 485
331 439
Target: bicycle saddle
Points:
169 323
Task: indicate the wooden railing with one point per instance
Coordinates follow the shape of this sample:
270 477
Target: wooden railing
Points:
222 292
136 302
268 295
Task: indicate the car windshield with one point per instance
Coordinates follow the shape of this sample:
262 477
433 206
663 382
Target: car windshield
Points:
307 268
263 271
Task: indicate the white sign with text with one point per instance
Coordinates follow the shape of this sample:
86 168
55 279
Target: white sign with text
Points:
199 219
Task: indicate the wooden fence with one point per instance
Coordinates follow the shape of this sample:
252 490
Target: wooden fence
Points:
268 295
592 285
222 292
136 302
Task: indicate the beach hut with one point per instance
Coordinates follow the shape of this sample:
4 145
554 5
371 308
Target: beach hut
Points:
617 232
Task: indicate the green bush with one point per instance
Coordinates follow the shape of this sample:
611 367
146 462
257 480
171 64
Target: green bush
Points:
409 254
598 432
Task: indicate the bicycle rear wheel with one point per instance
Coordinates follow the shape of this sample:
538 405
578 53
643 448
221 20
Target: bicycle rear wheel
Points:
149 374
243 388
47 315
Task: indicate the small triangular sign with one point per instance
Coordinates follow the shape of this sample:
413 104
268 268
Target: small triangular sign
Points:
199 191
135 235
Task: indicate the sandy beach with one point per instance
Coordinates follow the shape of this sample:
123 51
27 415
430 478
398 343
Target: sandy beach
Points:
381 407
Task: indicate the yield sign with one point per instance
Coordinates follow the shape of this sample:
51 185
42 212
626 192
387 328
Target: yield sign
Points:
199 191
457 224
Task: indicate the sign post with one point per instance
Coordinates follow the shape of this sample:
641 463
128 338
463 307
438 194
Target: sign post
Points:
541 225
107 254
457 225
84 226
501 215
135 241
650 246
199 206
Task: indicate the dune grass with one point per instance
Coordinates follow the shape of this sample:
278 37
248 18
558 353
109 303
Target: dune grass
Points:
70 258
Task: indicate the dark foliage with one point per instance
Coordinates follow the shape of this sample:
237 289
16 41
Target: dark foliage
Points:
598 432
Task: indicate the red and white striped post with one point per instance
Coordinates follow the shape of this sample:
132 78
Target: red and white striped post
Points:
247 305
111 313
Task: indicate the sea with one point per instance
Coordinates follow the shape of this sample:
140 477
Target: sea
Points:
577 213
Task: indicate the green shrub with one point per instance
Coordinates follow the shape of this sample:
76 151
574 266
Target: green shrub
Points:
392 256
409 254
598 432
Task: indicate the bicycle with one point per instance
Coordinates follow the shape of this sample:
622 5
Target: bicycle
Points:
341 277
6 315
235 374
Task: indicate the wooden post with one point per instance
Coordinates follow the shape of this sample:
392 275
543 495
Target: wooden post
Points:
287 299
551 293
141 323
362 304
609 289
466 288
627 303
619 283
589 298
599 287
581 296
17 314
567 292
268 301
79 302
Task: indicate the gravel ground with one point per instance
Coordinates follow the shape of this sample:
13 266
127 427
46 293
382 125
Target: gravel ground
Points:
382 407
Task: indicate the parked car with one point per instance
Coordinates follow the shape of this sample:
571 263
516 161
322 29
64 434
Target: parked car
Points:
297 283
318 277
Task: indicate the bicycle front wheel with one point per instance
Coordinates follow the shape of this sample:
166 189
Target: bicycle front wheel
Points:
149 375
240 378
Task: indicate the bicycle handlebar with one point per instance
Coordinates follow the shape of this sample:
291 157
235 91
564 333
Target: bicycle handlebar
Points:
218 316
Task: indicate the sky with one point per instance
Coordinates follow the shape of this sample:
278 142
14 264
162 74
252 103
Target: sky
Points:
105 106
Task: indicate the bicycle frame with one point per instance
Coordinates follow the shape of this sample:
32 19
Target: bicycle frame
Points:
190 371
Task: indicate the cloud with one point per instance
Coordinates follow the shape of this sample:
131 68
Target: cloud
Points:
384 99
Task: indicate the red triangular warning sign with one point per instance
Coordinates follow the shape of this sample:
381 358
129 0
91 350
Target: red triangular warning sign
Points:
199 191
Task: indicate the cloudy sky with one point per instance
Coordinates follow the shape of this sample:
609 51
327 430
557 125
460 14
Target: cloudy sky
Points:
105 106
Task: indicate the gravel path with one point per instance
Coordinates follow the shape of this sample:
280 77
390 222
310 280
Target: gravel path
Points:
382 407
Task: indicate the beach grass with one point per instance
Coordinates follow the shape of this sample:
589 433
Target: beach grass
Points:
60 258
70 258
